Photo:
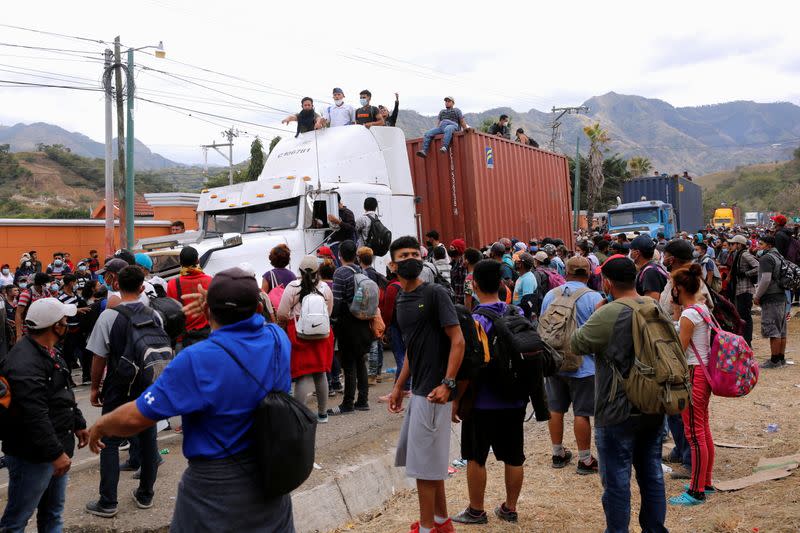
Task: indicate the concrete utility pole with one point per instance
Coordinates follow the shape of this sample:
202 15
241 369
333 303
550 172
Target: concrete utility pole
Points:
123 215
557 121
109 226
228 134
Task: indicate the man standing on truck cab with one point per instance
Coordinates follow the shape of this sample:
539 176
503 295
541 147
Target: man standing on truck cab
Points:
451 120
368 115
338 114
307 119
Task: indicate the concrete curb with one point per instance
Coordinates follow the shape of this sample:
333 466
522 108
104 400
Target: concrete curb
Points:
94 460
355 490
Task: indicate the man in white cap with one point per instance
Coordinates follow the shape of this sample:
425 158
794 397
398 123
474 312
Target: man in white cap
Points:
43 420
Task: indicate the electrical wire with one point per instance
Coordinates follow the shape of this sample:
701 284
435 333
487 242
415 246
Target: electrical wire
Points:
13 83
99 41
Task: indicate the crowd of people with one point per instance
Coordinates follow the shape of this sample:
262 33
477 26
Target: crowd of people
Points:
445 310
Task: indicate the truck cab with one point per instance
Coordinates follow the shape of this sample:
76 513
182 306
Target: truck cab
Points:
647 216
723 217
291 200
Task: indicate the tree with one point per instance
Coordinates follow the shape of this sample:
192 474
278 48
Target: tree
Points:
598 138
639 166
485 125
256 160
275 140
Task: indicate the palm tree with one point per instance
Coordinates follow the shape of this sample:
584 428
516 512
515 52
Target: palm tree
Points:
598 137
639 166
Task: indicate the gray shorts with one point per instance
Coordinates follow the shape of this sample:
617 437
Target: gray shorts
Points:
773 319
424 444
563 391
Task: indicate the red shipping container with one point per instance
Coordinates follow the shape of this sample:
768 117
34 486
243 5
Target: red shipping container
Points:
487 187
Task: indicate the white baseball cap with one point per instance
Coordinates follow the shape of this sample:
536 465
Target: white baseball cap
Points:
45 312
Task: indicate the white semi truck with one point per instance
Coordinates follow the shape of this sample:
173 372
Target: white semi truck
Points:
291 200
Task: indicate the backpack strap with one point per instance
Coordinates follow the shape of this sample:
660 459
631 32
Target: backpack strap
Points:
707 317
273 281
241 365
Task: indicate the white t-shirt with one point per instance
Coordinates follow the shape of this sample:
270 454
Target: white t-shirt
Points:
342 115
701 337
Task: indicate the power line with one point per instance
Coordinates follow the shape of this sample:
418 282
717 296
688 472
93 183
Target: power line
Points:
48 49
13 83
63 35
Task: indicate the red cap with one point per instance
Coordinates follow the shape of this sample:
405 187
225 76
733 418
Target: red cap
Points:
607 237
459 244
779 220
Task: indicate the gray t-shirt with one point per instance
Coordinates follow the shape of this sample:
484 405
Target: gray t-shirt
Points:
99 342
770 262
453 114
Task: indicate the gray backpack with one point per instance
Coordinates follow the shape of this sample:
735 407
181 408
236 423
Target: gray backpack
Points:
559 322
366 296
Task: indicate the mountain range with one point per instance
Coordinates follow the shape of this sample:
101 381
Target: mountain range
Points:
25 137
700 139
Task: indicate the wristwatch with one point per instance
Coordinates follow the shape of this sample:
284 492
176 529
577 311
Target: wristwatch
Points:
451 383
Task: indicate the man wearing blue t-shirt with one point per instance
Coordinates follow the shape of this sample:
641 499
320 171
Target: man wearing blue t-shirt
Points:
526 282
216 399
576 388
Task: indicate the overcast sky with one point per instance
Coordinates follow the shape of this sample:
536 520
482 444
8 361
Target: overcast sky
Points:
518 54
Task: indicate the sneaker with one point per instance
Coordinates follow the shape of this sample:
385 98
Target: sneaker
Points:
141 503
471 516
685 500
681 472
361 407
504 513
322 419
127 467
586 469
336 387
560 461
124 445
422 153
98 510
671 459
339 410
443 149
770 364
709 489
446 527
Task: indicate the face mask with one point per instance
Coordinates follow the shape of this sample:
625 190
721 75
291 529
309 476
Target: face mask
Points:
429 244
6 271
695 254
609 297
363 101
22 284
58 262
338 102
27 264
54 287
409 269
83 268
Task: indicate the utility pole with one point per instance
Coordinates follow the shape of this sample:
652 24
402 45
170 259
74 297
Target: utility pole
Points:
557 121
228 134
130 173
109 226
576 188
123 216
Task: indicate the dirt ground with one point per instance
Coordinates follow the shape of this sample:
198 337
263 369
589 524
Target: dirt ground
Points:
562 501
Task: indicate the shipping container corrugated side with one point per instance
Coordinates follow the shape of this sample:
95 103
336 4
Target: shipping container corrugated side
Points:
685 196
487 187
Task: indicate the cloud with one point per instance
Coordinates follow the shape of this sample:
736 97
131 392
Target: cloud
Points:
697 49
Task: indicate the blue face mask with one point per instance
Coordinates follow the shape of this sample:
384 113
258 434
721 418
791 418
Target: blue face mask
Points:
609 297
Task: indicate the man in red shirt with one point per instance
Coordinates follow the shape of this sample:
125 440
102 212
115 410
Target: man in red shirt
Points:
197 327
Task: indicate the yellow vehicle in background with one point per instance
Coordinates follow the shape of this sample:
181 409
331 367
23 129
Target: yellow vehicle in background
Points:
727 217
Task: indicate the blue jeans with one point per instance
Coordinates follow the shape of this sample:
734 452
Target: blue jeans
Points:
448 131
399 350
32 486
376 358
109 466
681 450
635 442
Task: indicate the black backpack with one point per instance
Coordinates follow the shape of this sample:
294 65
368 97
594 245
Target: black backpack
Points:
440 280
518 354
284 432
171 312
379 237
147 353
474 351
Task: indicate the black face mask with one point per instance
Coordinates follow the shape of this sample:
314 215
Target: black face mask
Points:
429 244
409 269
63 332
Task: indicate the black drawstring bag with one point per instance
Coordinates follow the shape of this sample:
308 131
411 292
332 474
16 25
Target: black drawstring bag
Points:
284 433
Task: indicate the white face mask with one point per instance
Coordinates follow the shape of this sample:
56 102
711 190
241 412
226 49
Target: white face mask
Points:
338 102
363 101
5 271
54 287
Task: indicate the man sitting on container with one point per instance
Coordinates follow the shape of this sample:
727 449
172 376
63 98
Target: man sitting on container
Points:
451 120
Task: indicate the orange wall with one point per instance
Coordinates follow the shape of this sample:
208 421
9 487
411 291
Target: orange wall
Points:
186 214
76 239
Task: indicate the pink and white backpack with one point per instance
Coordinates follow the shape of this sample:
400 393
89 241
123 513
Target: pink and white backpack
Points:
732 369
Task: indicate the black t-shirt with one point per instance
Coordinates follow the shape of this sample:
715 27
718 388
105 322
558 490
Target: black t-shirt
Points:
422 315
650 279
366 114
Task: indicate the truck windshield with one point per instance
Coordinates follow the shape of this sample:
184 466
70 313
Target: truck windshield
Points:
633 216
722 220
265 217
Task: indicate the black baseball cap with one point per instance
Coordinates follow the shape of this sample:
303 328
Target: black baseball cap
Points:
643 243
189 256
114 265
233 289
619 269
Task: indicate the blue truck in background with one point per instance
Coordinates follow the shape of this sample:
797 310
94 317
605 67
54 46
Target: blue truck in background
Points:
658 204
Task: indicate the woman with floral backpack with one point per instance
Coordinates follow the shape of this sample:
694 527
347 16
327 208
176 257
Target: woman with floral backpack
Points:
695 337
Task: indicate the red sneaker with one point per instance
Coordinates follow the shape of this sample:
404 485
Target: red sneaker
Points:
447 527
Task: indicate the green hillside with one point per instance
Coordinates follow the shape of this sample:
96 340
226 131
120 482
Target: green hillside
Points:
766 187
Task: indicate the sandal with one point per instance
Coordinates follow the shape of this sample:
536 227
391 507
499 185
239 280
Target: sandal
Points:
685 500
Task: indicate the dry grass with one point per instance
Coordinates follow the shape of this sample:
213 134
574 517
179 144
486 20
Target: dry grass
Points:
562 501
